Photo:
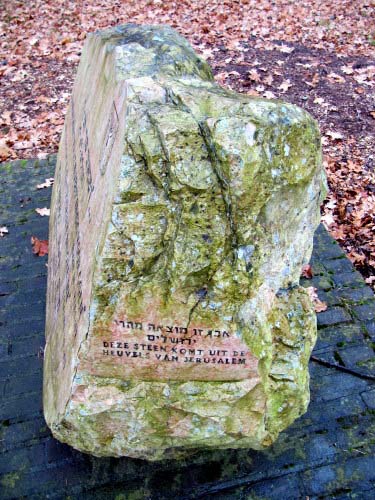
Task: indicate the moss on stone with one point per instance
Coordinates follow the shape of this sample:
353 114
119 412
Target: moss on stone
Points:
10 480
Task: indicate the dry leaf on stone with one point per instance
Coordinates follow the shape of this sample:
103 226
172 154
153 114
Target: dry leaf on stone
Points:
40 247
43 211
48 183
319 305
307 272
3 231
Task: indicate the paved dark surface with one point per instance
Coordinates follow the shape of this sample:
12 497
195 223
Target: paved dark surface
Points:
328 453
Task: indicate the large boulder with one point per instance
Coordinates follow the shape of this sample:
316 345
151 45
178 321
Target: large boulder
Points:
181 217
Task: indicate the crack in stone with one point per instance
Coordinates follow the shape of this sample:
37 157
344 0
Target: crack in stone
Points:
164 148
223 183
215 162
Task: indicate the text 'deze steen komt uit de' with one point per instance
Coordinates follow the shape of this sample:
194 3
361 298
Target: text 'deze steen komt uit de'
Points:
182 353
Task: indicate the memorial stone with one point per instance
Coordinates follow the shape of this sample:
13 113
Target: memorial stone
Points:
182 214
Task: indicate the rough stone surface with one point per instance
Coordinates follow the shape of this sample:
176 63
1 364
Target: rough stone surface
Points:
181 216
328 450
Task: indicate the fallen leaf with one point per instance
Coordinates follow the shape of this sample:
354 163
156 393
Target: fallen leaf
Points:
357 258
362 80
314 82
42 211
20 75
327 220
318 100
284 86
48 183
221 77
336 136
207 54
307 272
331 203
5 151
268 80
306 65
6 117
347 70
285 49
33 41
334 77
319 305
338 233
3 231
269 95
40 247
254 75
252 92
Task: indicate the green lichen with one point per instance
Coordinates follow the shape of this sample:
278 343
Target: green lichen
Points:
10 480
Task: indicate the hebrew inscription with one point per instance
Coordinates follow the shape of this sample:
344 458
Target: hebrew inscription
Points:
161 351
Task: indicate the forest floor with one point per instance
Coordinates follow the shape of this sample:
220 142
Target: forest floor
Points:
318 55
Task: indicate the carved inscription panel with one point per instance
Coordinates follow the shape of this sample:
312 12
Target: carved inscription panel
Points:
81 190
152 351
